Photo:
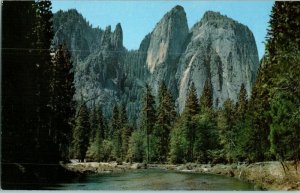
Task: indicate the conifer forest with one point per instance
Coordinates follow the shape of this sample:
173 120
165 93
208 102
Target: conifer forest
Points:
58 105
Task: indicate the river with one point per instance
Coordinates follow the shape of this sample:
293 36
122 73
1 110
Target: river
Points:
153 179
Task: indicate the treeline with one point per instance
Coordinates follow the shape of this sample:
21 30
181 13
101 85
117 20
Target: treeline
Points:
200 134
265 126
37 94
42 125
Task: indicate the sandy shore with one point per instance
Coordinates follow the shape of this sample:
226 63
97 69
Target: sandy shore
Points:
266 175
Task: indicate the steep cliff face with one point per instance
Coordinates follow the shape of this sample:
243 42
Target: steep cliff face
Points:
222 51
72 29
99 78
216 48
167 43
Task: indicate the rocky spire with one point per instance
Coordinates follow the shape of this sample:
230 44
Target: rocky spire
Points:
117 37
167 38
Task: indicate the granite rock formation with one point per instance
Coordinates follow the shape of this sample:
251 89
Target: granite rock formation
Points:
216 48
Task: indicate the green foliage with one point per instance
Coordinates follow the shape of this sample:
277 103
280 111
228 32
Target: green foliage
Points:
178 143
97 130
116 133
148 116
285 105
136 150
206 136
62 103
242 104
81 133
107 150
189 125
29 87
166 115
274 102
191 104
125 130
227 131
206 99
94 152
284 27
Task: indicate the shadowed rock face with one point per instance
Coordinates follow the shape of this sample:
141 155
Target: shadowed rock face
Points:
216 48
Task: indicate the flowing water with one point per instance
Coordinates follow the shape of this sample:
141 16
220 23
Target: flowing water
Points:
154 179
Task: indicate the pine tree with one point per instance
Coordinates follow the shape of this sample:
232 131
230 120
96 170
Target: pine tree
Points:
278 73
81 133
190 110
240 124
283 46
148 116
206 138
94 123
178 142
18 82
242 103
116 132
191 104
136 150
206 99
95 150
205 135
125 130
227 131
44 34
258 125
62 103
166 114
27 74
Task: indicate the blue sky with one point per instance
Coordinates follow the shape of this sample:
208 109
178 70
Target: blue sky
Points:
138 18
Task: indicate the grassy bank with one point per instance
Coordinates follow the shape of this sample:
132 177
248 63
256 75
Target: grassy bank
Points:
266 175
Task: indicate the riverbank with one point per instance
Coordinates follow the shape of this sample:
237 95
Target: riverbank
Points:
266 175
18 176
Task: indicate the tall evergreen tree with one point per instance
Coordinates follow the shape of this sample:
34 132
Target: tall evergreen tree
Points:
242 104
81 133
94 123
125 130
148 116
62 103
258 125
166 114
206 99
267 100
240 122
205 135
190 110
26 81
283 48
18 78
97 127
178 142
43 70
227 131
116 132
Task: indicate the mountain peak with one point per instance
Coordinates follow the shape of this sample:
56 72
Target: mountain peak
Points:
210 16
117 39
177 8
167 37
